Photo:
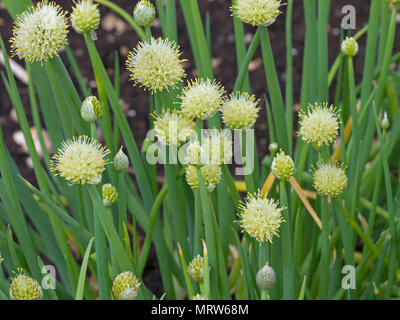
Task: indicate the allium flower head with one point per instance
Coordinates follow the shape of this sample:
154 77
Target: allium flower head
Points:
80 161
282 166
172 128
350 47
260 217
329 179
85 16
211 174
120 161
91 109
199 297
319 125
144 13
24 288
240 111
201 99
125 286
218 146
110 194
40 32
257 12
196 154
266 278
195 269
155 65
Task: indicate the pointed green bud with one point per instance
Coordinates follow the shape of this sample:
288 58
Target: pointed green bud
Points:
91 109
121 161
144 13
110 195
385 124
266 277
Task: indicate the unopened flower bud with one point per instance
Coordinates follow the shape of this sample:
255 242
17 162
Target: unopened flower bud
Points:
126 286
91 109
110 195
25 288
350 47
266 278
85 16
121 161
385 124
282 166
273 147
144 13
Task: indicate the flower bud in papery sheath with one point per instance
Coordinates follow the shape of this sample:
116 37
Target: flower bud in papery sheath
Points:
195 269
282 166
91 109
350 47
211 174
144 13
85 16
125 286
260 217
25 288
218 146
172 128
266 278
385 124
155 65
329 179
319 125
40 32
196 155
80 160
201 99
199 297
110 195
120 161
273 147
257 12
240 111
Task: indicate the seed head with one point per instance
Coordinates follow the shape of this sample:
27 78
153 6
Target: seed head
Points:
260 217
110 195
266 278
240 111
80 160
91 109
24 288
257 12
329 179
195 269
350 47
172 128
155 65
218 146
144 13
126 286
282 166
85 16
40 32
121 161
201 99
211 174
319 125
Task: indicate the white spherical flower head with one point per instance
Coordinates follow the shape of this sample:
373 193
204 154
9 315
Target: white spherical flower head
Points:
196 154
350 47
85 16
218 146
172 128
24 288
201 99
319 125
80 161
282 166
240 111
125 286
211 174
195 269
155 65
40 32
329 179
144 13
257 12
260 217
